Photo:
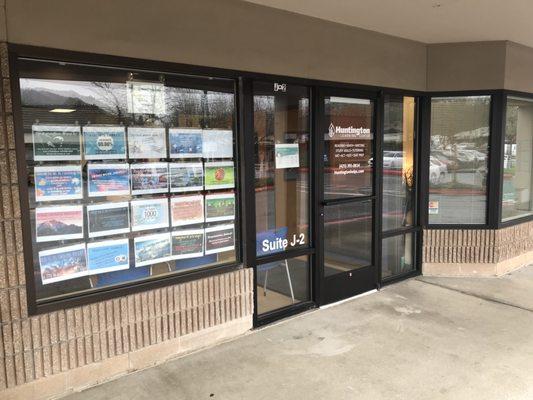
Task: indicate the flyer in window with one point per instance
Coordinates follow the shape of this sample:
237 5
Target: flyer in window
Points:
108 219
149 178
287 155
58 223
219 175
147 142
58 182
145 97
152 249
149 214
187 210
219 207
187 244
219 238
217 143
63 263
56 142
104 142
185 143
108 256
186 177
108 179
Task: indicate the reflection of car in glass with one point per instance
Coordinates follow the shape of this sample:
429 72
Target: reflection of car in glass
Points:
393 159
448 162
443 168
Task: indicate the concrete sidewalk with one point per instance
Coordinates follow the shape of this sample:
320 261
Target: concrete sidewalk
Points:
419 339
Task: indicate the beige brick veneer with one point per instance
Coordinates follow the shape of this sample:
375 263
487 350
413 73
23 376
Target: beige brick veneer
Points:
54 353
483 252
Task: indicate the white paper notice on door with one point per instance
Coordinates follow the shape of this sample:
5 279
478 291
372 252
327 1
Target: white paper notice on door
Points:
287 155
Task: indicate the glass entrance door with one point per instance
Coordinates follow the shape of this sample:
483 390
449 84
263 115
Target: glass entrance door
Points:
346 131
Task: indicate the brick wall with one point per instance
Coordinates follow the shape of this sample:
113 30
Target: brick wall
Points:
477 246
33 348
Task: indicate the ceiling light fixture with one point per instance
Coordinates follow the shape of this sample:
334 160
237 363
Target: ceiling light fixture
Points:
62 110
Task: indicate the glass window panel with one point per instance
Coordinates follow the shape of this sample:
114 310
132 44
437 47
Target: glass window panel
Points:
517 199
348 153
282 283
398 162
124 184
397 255
460 129
347 237
281 127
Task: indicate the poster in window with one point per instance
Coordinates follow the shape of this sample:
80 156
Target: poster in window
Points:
187 243
145 97
217 143
287 155
108 179
58 182
152 249
219 207
149 178
185 143
219 175
56 142
147 142
104 142
219 239
60 264
186 177
108 219
58 223
149 214
108 256
187 210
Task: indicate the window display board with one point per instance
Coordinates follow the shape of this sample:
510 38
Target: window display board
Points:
132 173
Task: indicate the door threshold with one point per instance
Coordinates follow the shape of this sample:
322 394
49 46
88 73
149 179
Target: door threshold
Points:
349 299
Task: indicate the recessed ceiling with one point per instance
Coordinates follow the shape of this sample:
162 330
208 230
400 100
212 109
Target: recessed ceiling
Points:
428 21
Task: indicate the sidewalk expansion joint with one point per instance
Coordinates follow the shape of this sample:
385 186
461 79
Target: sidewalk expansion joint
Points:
478 296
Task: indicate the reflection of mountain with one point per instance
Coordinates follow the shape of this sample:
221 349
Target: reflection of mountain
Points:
51 228
39 97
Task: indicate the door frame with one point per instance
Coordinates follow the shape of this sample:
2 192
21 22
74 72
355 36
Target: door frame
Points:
322 295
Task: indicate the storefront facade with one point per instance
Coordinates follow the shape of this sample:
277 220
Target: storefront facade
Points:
156 202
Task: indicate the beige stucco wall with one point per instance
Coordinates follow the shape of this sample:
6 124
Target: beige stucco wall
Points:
519 67
220 33
466 66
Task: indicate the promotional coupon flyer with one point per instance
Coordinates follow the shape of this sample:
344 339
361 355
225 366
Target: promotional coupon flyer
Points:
149 178
187 244
186 177
147 142
56 142
187 210
217 143
149 214
185 143
104 142
108 179
58 223
152 249
219 175
62 263
108 219
59 182
219 238
219 207
108 256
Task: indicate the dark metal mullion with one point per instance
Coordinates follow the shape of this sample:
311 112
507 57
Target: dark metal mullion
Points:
495 152
497 161
344 200
379 109
423 160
